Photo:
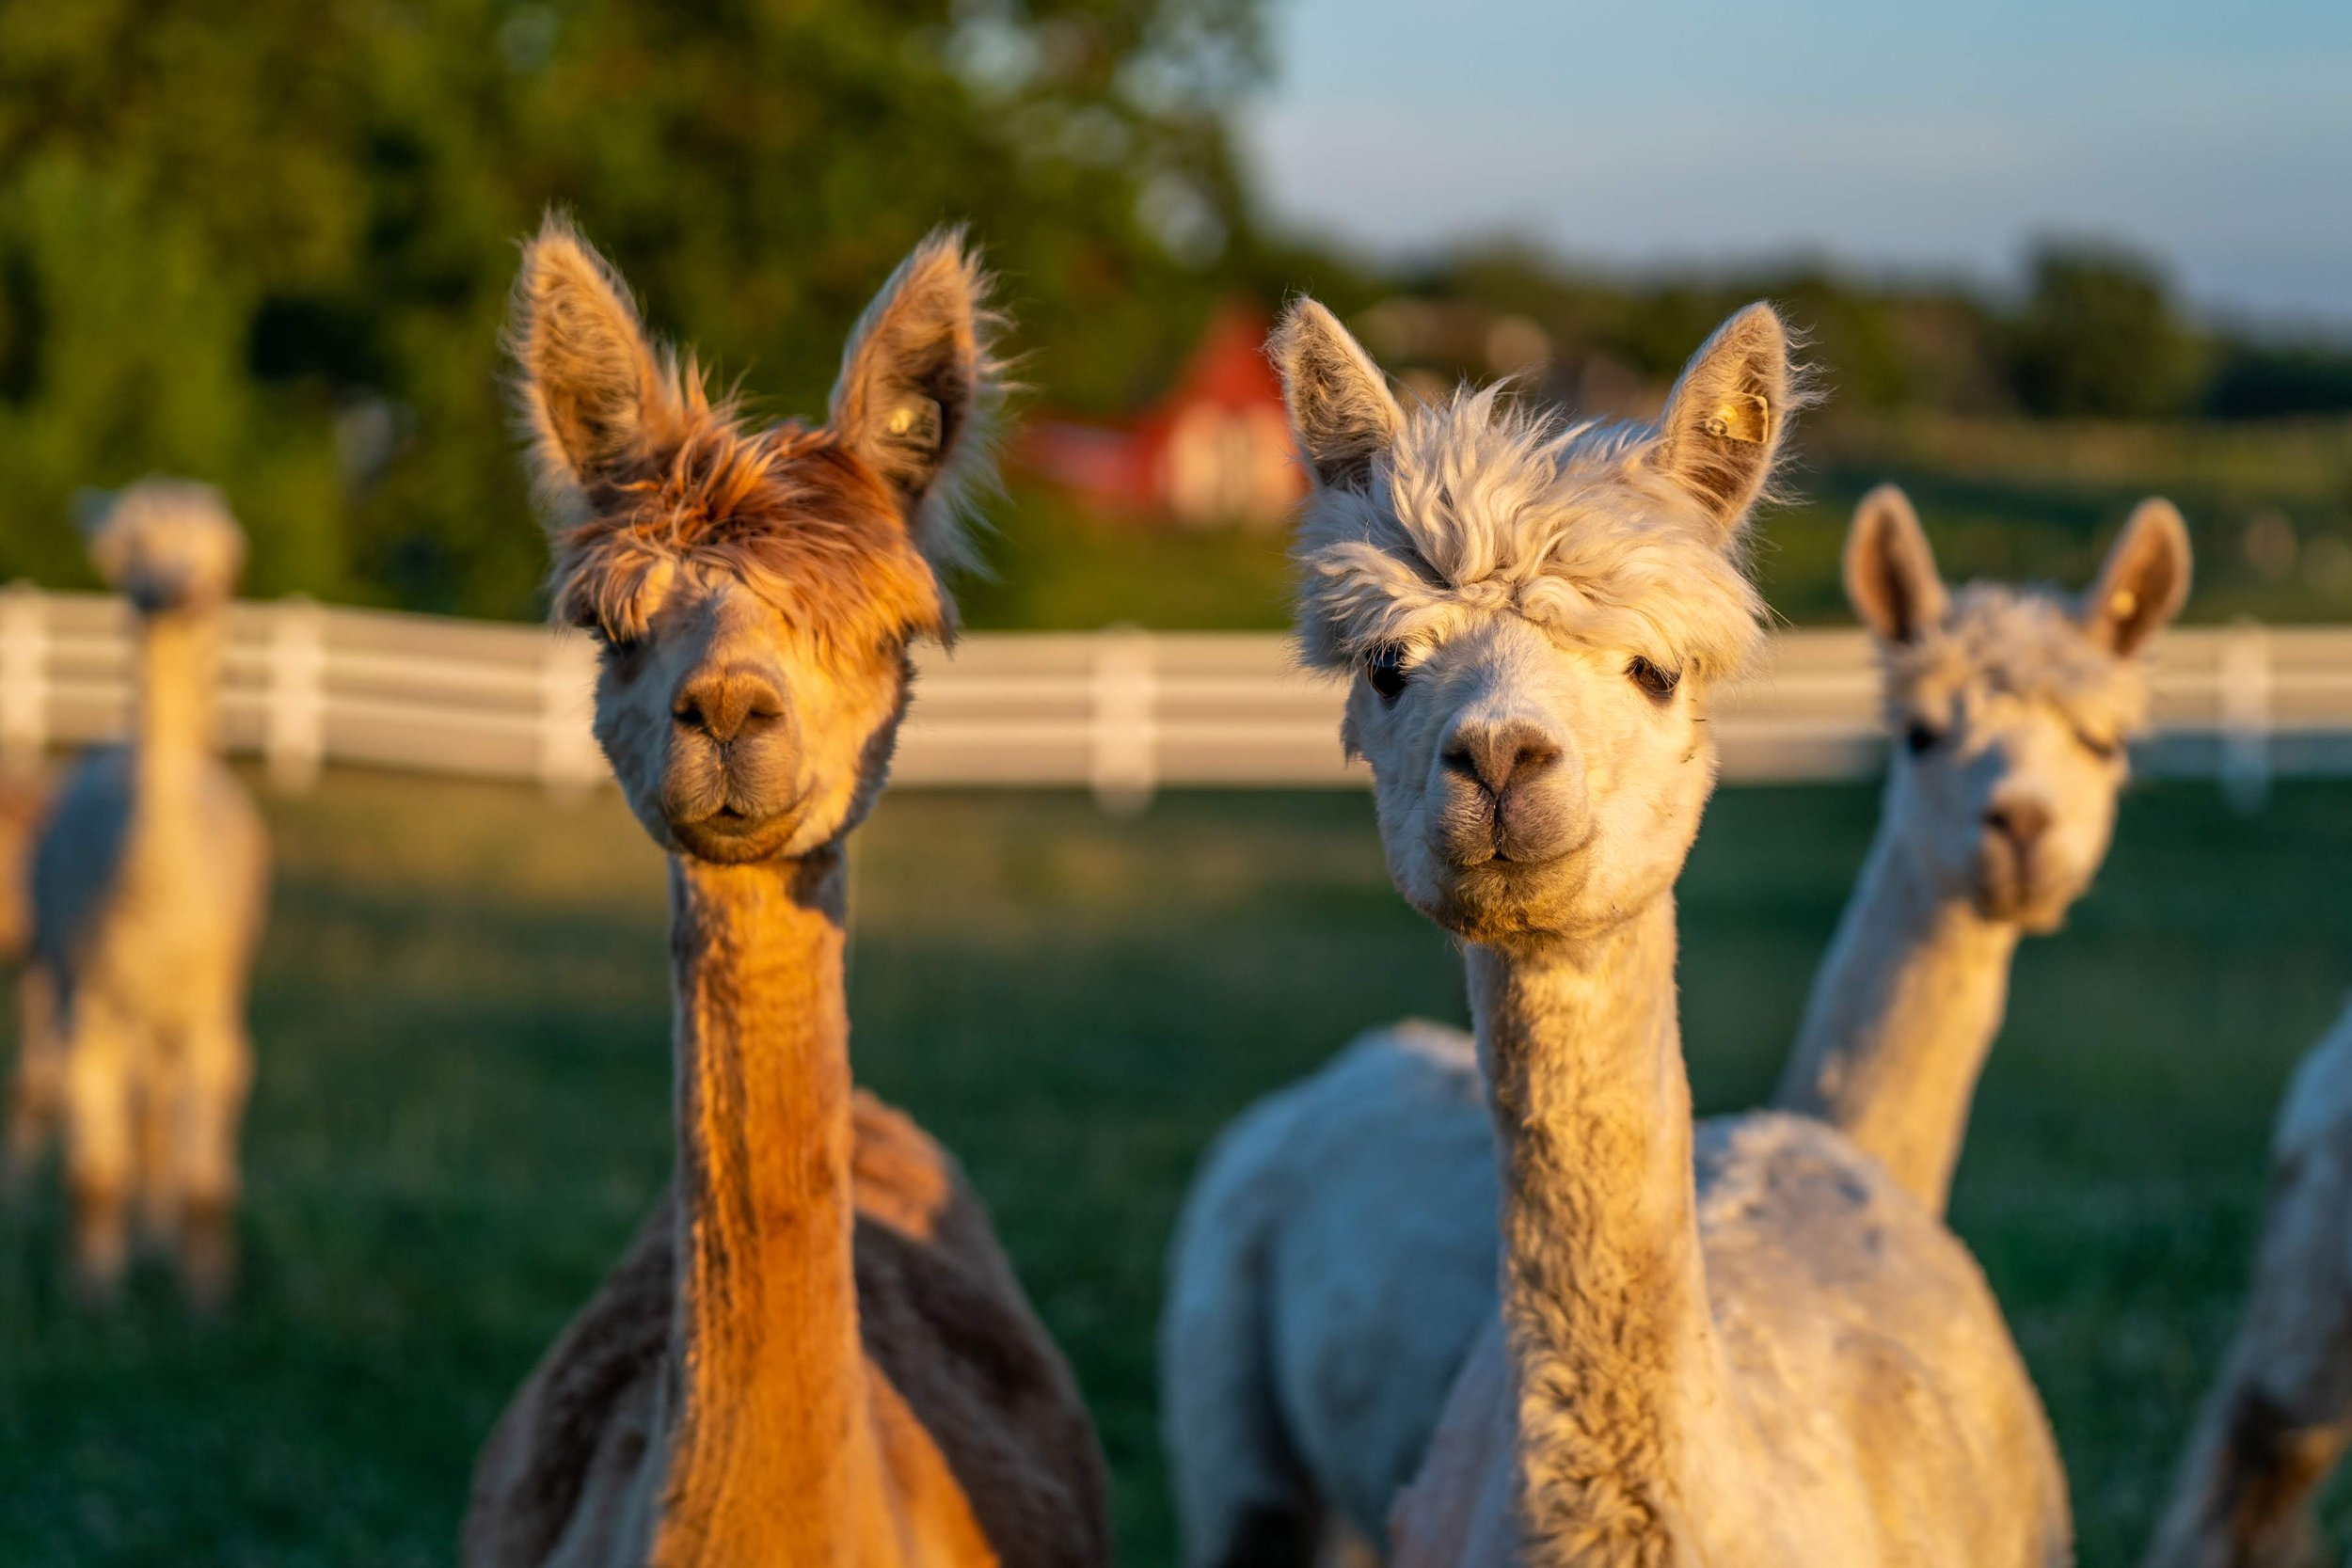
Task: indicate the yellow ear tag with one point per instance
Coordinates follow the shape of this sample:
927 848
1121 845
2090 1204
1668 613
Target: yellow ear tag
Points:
916 423
1747 418
2122 603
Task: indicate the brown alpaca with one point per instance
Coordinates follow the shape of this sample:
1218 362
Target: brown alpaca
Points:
814 1352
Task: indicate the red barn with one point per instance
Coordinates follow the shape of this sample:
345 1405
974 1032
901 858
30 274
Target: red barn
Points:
1217 450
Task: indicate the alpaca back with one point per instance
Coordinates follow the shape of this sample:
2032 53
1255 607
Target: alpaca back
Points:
1322 1292
1834 1290
943 1320
161 907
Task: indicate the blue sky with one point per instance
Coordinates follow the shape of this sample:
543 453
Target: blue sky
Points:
1886 137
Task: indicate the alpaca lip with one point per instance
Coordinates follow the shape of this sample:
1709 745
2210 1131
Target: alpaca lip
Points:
1500 859
730 832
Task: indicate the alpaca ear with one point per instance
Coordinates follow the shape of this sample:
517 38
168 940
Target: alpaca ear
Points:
2144 582
1890 573
1339 405
595 394
1722 431
919 383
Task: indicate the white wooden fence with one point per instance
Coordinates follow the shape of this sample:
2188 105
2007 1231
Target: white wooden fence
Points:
1119 712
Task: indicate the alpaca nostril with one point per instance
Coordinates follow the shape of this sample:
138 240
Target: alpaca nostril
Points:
729 704
1500 757
2020 821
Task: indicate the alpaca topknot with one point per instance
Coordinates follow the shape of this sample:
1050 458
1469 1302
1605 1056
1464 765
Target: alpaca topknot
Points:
2022 641
640 470
1484 504
167 544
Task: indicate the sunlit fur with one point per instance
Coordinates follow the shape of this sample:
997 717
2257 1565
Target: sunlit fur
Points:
697 547
1792 1362
815 1351
2020 696
1337 1254
2276 1421
149 880
1520 564
2010 708
1485 506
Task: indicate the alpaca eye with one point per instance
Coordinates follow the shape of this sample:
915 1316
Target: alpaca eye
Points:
2102 747
1920 738
1385 669
1657 684
615 645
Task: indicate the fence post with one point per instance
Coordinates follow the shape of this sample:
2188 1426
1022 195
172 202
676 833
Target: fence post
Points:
1123 764
293 714
570 762
24 677
2245 676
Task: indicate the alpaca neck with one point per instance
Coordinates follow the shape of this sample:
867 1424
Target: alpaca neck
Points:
1902 1015
179 670
1613 1355
772 1457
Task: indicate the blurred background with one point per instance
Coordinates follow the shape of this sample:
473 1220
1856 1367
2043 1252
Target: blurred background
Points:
2052 257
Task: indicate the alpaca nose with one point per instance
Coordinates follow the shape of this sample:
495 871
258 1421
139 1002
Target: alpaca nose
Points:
728 703
2021 821
1499 757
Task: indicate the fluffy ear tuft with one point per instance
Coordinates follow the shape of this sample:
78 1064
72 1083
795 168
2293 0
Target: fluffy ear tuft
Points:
1340 409
1891 578
2144 582
919 390
1722 432
595 394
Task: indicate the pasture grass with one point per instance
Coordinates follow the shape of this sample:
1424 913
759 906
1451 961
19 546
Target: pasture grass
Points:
461 1112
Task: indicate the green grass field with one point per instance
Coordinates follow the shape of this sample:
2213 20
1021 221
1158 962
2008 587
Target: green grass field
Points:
461 1113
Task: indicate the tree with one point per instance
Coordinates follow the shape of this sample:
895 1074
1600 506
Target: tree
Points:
2099 336
267 242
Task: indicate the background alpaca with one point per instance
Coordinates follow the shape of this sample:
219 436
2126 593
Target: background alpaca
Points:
1538 789
148 882
815 1351
1337 1257
2010 706
2278 1416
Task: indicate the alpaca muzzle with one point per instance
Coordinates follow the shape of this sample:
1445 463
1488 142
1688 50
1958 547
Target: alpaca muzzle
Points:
1504 796
731 787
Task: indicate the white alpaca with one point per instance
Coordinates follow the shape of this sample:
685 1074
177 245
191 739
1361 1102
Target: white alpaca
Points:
149 878
2010 706
2279 1415
1337 1257
1791 1361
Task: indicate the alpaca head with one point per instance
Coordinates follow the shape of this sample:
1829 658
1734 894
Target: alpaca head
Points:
1533 616
754 590
169 545
2010 706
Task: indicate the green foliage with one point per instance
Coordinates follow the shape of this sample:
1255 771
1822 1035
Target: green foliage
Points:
267 243
2099 336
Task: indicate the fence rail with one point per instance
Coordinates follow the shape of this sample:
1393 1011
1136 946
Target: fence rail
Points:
1121 712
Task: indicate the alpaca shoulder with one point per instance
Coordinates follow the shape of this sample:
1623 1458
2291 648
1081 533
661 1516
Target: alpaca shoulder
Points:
947 1323
1835 1291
